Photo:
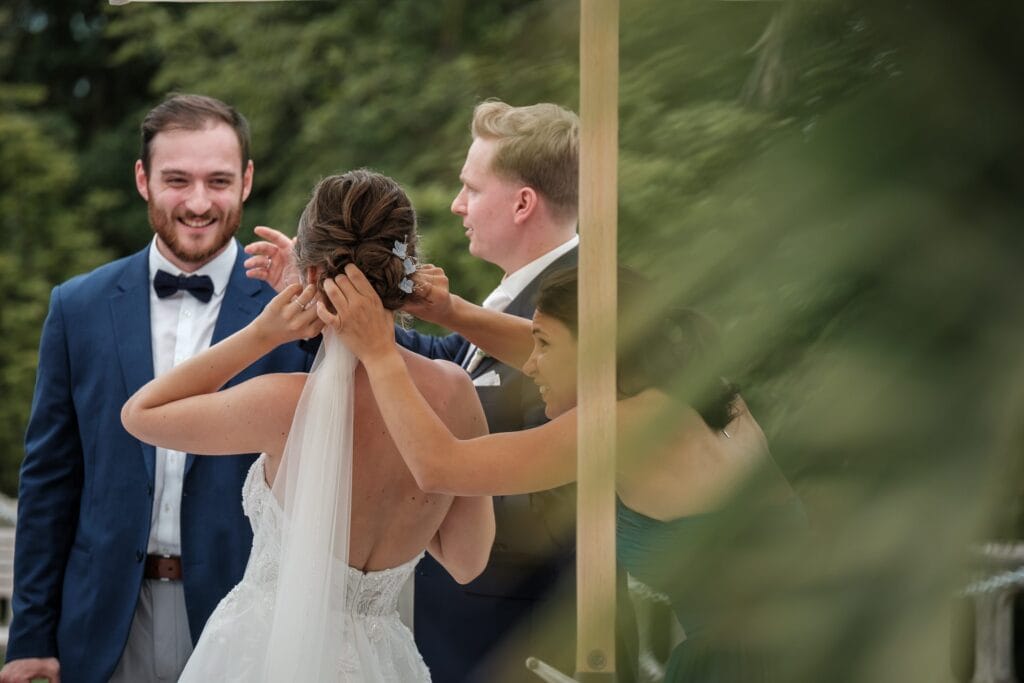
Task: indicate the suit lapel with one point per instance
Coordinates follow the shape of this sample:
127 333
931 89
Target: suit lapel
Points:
239 307
460 356
523 305
129 310
240 304
486 364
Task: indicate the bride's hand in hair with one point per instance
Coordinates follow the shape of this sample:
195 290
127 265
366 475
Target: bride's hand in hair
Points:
362 322
289 316
431 298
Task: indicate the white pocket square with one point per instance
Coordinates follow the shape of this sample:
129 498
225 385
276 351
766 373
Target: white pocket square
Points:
488 379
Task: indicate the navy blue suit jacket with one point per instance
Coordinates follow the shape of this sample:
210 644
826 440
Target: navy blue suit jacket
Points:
458 627
86 492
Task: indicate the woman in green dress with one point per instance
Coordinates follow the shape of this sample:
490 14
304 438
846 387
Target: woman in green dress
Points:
679 465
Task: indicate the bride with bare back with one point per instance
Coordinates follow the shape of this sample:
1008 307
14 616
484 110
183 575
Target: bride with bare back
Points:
338 520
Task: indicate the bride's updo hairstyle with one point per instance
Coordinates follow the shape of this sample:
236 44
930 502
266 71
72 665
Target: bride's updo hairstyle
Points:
357 217
677 350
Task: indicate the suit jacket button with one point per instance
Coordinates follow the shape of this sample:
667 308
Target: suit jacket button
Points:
139 556
149 489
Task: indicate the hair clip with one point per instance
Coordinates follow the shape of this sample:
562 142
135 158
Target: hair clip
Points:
408 264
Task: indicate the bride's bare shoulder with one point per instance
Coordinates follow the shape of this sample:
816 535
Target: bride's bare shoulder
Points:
435 376
450 392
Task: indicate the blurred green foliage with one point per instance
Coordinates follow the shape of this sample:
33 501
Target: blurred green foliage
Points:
838 183
44 243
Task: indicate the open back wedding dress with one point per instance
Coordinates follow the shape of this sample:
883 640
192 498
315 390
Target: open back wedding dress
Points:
300 613
376 645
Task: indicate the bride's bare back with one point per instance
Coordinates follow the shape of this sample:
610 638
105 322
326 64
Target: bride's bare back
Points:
392 518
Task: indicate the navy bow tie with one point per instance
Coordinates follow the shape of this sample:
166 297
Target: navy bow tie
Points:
199 286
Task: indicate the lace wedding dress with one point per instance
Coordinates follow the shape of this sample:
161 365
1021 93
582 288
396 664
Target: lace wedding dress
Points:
375 646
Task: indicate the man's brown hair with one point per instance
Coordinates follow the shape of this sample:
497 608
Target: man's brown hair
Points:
192 112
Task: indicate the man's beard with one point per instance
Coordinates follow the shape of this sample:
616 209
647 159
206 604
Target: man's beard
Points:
164 226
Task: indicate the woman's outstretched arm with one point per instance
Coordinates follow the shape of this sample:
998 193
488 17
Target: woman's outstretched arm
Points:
183 409
496 464
508 338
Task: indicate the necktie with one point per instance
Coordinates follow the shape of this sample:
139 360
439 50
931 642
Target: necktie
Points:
199 286
497 301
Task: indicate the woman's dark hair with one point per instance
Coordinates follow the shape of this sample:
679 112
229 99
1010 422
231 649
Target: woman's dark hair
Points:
652 351
357 217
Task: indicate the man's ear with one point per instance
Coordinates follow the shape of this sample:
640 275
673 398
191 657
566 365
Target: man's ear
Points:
247 180
141 181
526 206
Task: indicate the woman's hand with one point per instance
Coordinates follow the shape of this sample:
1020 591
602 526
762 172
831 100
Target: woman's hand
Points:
289 316
362 322
431 299
272 260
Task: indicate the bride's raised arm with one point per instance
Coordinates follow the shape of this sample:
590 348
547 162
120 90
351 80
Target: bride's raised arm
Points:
183 409
496 464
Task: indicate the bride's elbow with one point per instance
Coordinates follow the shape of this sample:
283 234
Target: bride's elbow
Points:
475 562
134 419
469 570
130 417
464 577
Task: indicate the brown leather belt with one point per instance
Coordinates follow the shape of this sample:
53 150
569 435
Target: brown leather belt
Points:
163 567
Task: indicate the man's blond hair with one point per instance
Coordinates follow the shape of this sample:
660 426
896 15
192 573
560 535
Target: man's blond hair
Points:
538 145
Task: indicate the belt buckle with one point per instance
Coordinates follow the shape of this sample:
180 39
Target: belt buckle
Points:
163 567
163 557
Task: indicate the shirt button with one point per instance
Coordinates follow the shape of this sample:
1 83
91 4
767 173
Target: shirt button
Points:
187 314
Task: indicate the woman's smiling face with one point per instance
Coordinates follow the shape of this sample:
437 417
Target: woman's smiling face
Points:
552 365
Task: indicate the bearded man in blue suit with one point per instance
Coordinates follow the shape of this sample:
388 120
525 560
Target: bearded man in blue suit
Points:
123 549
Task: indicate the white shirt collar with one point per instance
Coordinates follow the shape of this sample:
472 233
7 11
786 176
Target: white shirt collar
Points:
219 269
513 284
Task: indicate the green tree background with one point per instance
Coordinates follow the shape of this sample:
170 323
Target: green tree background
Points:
838 183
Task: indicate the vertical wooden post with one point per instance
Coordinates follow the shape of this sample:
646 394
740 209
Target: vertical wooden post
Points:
599 140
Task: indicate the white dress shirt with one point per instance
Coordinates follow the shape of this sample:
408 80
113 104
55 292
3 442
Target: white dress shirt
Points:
512 285
181 326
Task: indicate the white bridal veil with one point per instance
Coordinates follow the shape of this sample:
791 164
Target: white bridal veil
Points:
314 487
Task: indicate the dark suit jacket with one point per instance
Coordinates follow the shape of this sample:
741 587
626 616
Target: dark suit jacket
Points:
86 492
458 627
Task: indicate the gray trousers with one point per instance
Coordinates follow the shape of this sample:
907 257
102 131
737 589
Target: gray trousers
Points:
159 642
